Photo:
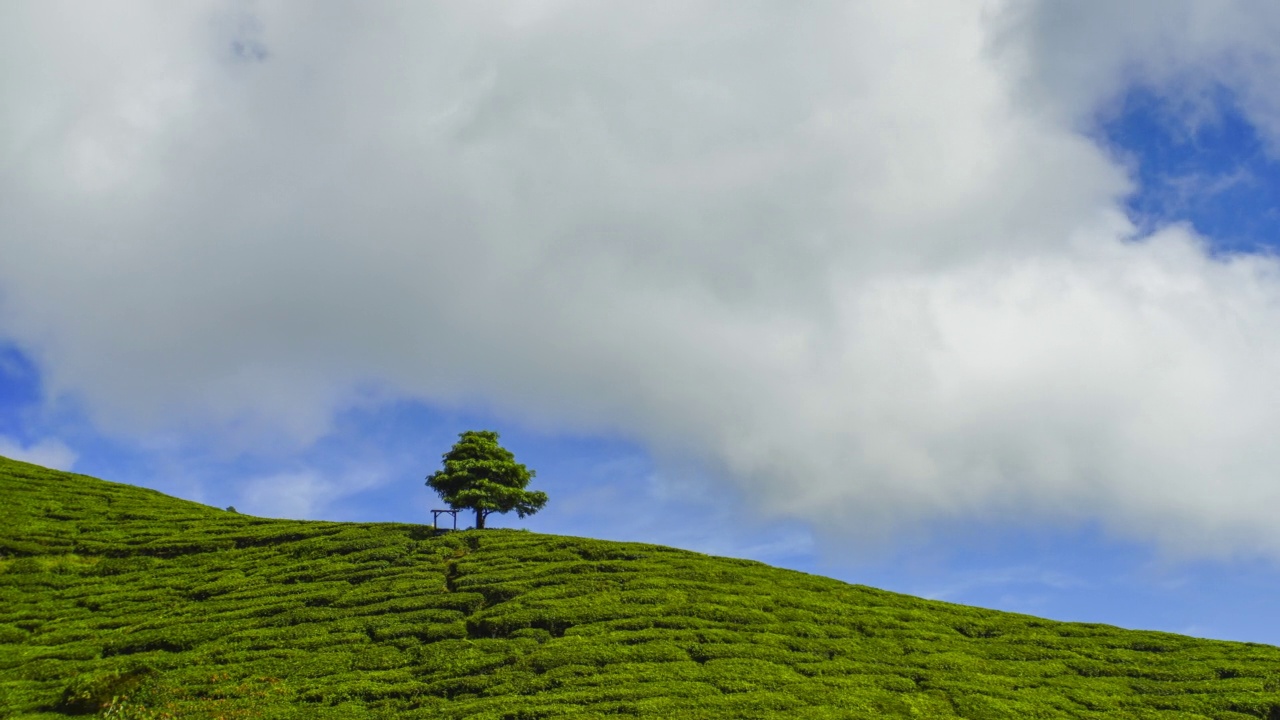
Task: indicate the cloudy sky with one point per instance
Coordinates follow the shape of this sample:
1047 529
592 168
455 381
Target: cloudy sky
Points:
970 299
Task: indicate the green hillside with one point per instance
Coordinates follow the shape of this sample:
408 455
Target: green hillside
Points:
109 590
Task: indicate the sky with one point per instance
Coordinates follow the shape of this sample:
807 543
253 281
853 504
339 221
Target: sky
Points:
969 299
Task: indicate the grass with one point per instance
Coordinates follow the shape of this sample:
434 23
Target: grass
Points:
122 602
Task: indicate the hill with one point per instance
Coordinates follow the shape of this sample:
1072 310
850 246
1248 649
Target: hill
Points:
110 591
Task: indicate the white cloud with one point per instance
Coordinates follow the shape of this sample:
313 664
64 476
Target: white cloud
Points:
303 494
1074 57
50 452
843 254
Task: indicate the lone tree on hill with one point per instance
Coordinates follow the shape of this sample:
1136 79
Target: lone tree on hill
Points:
481 475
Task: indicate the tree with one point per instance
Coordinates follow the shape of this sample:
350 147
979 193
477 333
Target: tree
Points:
481 475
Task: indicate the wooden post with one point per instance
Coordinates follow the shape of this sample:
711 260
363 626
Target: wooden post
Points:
435 518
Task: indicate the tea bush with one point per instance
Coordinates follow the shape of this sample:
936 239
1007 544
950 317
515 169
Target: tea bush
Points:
126 603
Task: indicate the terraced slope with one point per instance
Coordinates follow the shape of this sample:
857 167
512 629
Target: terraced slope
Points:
111 591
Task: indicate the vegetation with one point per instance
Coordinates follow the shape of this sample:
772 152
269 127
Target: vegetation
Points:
126 603
481 475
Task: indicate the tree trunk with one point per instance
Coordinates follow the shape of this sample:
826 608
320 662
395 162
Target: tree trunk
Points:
480 519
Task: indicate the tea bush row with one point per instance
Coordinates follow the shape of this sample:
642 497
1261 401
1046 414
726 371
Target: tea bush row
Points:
110 592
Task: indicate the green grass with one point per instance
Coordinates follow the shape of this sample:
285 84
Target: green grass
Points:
127 603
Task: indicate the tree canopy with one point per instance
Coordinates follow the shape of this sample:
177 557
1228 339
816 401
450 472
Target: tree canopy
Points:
481 475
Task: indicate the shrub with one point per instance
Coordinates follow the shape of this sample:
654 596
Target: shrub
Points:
90 693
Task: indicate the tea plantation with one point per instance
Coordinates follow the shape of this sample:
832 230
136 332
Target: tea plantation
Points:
122 602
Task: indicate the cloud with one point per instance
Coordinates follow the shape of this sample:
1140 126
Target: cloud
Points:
1074 57
860 261
50 453
303 494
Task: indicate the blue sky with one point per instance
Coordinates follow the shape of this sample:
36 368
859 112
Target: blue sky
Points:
1212 172
1006 339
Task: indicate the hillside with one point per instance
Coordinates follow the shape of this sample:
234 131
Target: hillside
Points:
194 612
